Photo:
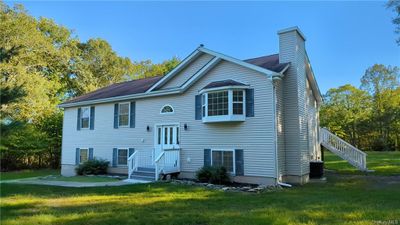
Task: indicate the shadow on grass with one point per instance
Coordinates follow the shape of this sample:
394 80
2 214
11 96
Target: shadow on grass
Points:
339 200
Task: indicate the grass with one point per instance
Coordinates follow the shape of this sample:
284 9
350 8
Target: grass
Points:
384 163
27 173
345 198
82 179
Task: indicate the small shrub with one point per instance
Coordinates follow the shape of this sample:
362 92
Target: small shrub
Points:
213 174
95 167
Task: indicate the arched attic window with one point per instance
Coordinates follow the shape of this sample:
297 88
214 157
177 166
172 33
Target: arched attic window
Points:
167 109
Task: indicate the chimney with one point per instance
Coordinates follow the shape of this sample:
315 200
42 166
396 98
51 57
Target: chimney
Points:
291 41
292 50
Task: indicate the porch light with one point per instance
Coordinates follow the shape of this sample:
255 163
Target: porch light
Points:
148 128
185 126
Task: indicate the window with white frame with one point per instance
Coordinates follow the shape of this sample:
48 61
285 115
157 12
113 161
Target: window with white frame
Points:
223 158
122 157
217 103
167 109
85 117
203 105
83 155
237 102
223 105
123 114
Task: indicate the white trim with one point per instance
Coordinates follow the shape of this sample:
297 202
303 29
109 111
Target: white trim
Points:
230 116
84 128
129 113
208 90
172 124
80 149
177 69
237 61
167 113
233 158
213 62
313 81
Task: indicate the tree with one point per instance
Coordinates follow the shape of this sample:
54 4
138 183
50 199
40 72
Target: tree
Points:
41 65
383 85
345 109
395 5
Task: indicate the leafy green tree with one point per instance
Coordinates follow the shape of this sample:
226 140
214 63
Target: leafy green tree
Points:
344 111
41 65
383 83
395 6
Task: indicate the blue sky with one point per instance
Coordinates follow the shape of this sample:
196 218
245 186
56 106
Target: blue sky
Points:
343 38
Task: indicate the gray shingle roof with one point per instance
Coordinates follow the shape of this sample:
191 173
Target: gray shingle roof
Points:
223 83
118 89
270 62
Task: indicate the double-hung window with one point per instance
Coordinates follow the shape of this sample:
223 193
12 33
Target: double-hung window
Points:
83 155
123 157
237 102
223 158
123 114
85 117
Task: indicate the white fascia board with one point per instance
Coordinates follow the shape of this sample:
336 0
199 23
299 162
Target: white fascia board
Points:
314 81
237 61
200 73
177 69
121 98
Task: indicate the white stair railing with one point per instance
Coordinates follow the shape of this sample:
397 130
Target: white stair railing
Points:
168 161
343 149
133 163
159 164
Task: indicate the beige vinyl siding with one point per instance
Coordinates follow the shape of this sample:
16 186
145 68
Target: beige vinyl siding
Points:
292 49
255 136
313 125
280 127
184 75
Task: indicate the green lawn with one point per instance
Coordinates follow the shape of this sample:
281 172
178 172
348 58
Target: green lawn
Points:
82 179
27 173
384 163
343 199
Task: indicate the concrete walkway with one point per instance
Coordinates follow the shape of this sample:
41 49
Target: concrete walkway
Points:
36 181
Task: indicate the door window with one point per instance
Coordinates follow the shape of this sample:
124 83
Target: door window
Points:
168 137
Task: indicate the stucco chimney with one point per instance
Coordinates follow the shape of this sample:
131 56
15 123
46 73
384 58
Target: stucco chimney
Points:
292 50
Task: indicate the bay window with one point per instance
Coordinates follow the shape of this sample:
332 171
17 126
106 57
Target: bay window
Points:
223 105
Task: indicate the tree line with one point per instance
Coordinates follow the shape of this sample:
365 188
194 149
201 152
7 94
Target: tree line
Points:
367 117
41 65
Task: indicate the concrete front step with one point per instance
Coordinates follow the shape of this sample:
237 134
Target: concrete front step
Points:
144 173
137 177
150 169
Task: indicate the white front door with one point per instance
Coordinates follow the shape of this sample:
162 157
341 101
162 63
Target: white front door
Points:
166 137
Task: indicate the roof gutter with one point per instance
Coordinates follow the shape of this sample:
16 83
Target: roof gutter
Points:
121 98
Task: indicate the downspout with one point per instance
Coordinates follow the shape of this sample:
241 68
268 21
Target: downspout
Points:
277 179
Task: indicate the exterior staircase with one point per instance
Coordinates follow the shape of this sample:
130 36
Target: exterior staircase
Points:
148 165
144 173
343 149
